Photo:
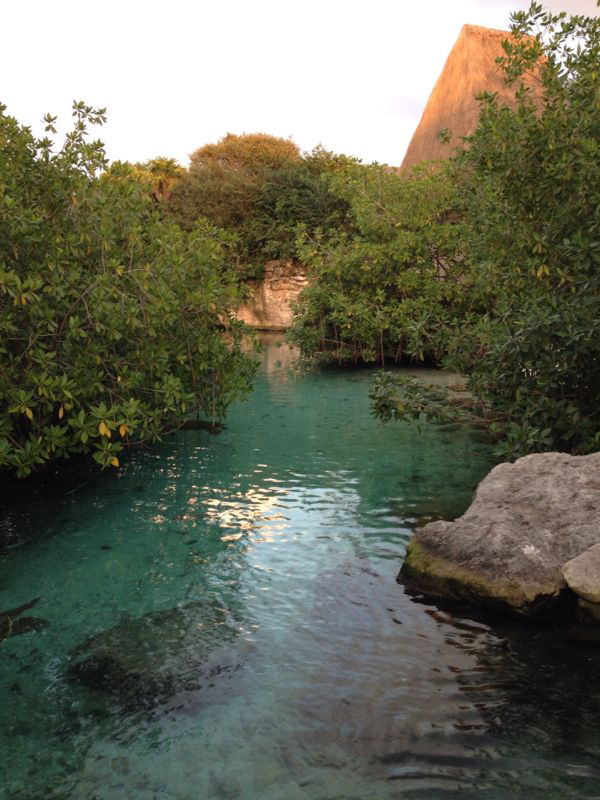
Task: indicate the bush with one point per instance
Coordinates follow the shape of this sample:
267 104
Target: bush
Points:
530 187
224 179
533 224
260 189
390 289
110 318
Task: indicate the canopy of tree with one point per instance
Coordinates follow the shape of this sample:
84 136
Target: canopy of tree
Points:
251 154
387 289
260 189
110 317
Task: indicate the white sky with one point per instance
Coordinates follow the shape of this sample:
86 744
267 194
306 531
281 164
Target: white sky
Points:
352 75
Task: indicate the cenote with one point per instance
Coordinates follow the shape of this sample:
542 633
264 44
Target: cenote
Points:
221 620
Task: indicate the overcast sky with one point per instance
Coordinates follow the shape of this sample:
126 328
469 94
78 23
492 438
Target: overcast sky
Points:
352 75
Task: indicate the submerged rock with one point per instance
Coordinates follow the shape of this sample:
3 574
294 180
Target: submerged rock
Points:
144 661
5 627
28 625
12 623
508 550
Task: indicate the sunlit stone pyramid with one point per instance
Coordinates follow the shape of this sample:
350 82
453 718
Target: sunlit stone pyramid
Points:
469 69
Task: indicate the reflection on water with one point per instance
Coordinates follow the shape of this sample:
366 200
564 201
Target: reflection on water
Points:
223 621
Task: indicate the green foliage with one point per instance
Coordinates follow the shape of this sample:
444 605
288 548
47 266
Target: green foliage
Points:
109 317
224 178
530 188
260 189
532 199
391 289
401 397
160 174
296 196
252 154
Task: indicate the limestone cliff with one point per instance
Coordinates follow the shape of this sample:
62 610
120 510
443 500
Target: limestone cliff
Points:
268 307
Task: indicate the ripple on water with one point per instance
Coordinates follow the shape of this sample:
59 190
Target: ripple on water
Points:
328 681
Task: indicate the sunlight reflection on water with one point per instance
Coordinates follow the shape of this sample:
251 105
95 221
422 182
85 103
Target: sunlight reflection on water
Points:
258 568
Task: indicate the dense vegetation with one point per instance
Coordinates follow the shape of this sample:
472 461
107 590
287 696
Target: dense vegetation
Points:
116 282
260 188
489 264
110 316
532 202
388 288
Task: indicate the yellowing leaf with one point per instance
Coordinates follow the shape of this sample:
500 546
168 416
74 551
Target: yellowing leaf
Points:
115 462
28 412
543 270
61 412
123 429
23 300
104 430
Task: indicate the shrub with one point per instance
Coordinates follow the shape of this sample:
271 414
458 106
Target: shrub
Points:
110 318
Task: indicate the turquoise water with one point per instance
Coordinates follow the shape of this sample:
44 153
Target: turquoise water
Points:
257 568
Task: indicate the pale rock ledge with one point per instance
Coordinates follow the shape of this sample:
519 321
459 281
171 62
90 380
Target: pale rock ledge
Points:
529 542
269 305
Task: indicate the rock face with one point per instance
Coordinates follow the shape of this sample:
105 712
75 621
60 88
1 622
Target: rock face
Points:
269 305
520 544
469 70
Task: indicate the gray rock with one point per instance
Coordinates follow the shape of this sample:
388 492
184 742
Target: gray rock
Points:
582 574
588 612
526 520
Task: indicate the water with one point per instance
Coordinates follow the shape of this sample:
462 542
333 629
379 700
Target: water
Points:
284 661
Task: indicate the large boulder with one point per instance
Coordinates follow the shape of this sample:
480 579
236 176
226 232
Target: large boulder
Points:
526 521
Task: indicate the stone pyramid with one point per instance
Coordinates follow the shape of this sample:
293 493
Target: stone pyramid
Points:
469 69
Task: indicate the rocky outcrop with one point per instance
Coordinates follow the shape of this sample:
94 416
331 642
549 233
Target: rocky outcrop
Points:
527 543
268 307
469 70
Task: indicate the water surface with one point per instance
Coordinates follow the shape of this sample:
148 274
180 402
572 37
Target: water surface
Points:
268 554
